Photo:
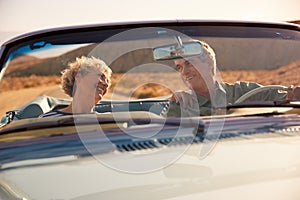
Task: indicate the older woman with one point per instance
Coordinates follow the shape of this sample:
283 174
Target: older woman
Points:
86 80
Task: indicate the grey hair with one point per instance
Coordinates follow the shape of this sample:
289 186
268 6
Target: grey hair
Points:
208 55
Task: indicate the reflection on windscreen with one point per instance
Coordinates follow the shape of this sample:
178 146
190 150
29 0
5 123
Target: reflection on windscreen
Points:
135 73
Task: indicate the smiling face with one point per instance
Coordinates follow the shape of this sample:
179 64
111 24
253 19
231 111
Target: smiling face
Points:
92 85
195 73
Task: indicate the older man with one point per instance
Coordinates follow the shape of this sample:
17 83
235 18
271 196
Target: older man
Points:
207 92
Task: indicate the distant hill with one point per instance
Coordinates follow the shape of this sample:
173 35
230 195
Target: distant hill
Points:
295 21
285 75
21 64
28 65
256 54
53 66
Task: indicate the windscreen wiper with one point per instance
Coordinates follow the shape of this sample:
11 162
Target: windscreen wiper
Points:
90 119
279 103
262 108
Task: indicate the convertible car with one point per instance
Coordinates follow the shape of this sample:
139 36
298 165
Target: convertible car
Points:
129 147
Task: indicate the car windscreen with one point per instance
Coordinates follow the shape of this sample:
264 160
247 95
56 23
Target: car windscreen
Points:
245 57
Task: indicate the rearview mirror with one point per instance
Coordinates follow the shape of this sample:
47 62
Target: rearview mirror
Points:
175 51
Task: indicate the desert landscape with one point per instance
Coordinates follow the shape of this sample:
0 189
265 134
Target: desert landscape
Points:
24 89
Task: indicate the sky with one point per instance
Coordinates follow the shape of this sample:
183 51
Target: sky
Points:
21 16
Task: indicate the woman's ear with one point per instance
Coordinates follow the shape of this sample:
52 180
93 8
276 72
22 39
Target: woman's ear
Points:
77 78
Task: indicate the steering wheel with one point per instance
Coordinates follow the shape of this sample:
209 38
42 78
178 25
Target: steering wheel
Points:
260 89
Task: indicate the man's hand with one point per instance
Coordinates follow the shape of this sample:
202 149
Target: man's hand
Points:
293 93
184 98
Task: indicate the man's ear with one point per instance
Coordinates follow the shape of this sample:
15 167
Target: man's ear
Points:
211 64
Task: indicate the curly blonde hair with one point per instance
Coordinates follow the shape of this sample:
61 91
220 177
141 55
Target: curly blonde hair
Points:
82 66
